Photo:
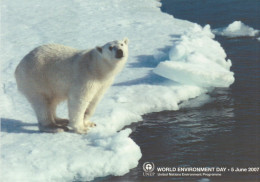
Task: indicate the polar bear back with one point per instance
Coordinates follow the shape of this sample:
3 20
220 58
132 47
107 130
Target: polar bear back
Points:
47 70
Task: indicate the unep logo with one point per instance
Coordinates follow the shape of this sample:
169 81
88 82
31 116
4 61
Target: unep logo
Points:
148 167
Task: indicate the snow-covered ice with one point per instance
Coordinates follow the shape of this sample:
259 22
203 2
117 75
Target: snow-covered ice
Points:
27 155
236 29
197 59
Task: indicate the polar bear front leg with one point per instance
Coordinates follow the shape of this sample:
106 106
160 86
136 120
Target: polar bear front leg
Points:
78 101
76 114
92 107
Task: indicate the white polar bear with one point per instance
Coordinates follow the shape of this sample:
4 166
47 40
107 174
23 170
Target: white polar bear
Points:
53 73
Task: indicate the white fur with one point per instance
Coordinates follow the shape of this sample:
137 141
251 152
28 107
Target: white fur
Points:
53 73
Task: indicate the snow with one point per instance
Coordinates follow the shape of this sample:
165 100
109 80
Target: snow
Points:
27 154
190 63
236 29
45 157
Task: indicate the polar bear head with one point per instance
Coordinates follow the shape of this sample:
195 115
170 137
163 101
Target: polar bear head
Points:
114 51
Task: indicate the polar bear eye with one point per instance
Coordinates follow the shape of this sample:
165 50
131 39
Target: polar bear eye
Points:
110 48
122 44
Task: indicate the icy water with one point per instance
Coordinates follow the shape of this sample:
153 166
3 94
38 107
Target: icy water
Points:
220 129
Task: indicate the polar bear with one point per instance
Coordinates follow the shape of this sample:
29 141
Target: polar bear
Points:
52 73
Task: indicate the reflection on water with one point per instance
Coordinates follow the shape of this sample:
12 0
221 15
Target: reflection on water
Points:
206 131
184 137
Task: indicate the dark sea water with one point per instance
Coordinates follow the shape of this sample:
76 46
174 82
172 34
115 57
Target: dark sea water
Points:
221 129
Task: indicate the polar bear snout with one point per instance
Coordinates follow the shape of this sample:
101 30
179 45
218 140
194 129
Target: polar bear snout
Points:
115 50
119 54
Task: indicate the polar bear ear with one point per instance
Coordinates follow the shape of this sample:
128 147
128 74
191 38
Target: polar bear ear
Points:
126 40
99 49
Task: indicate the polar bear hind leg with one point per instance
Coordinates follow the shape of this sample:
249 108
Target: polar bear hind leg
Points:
44 113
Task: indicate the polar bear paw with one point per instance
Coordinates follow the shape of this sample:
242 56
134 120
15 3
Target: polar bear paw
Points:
81 130
52 128
89 124
84 128
61 122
